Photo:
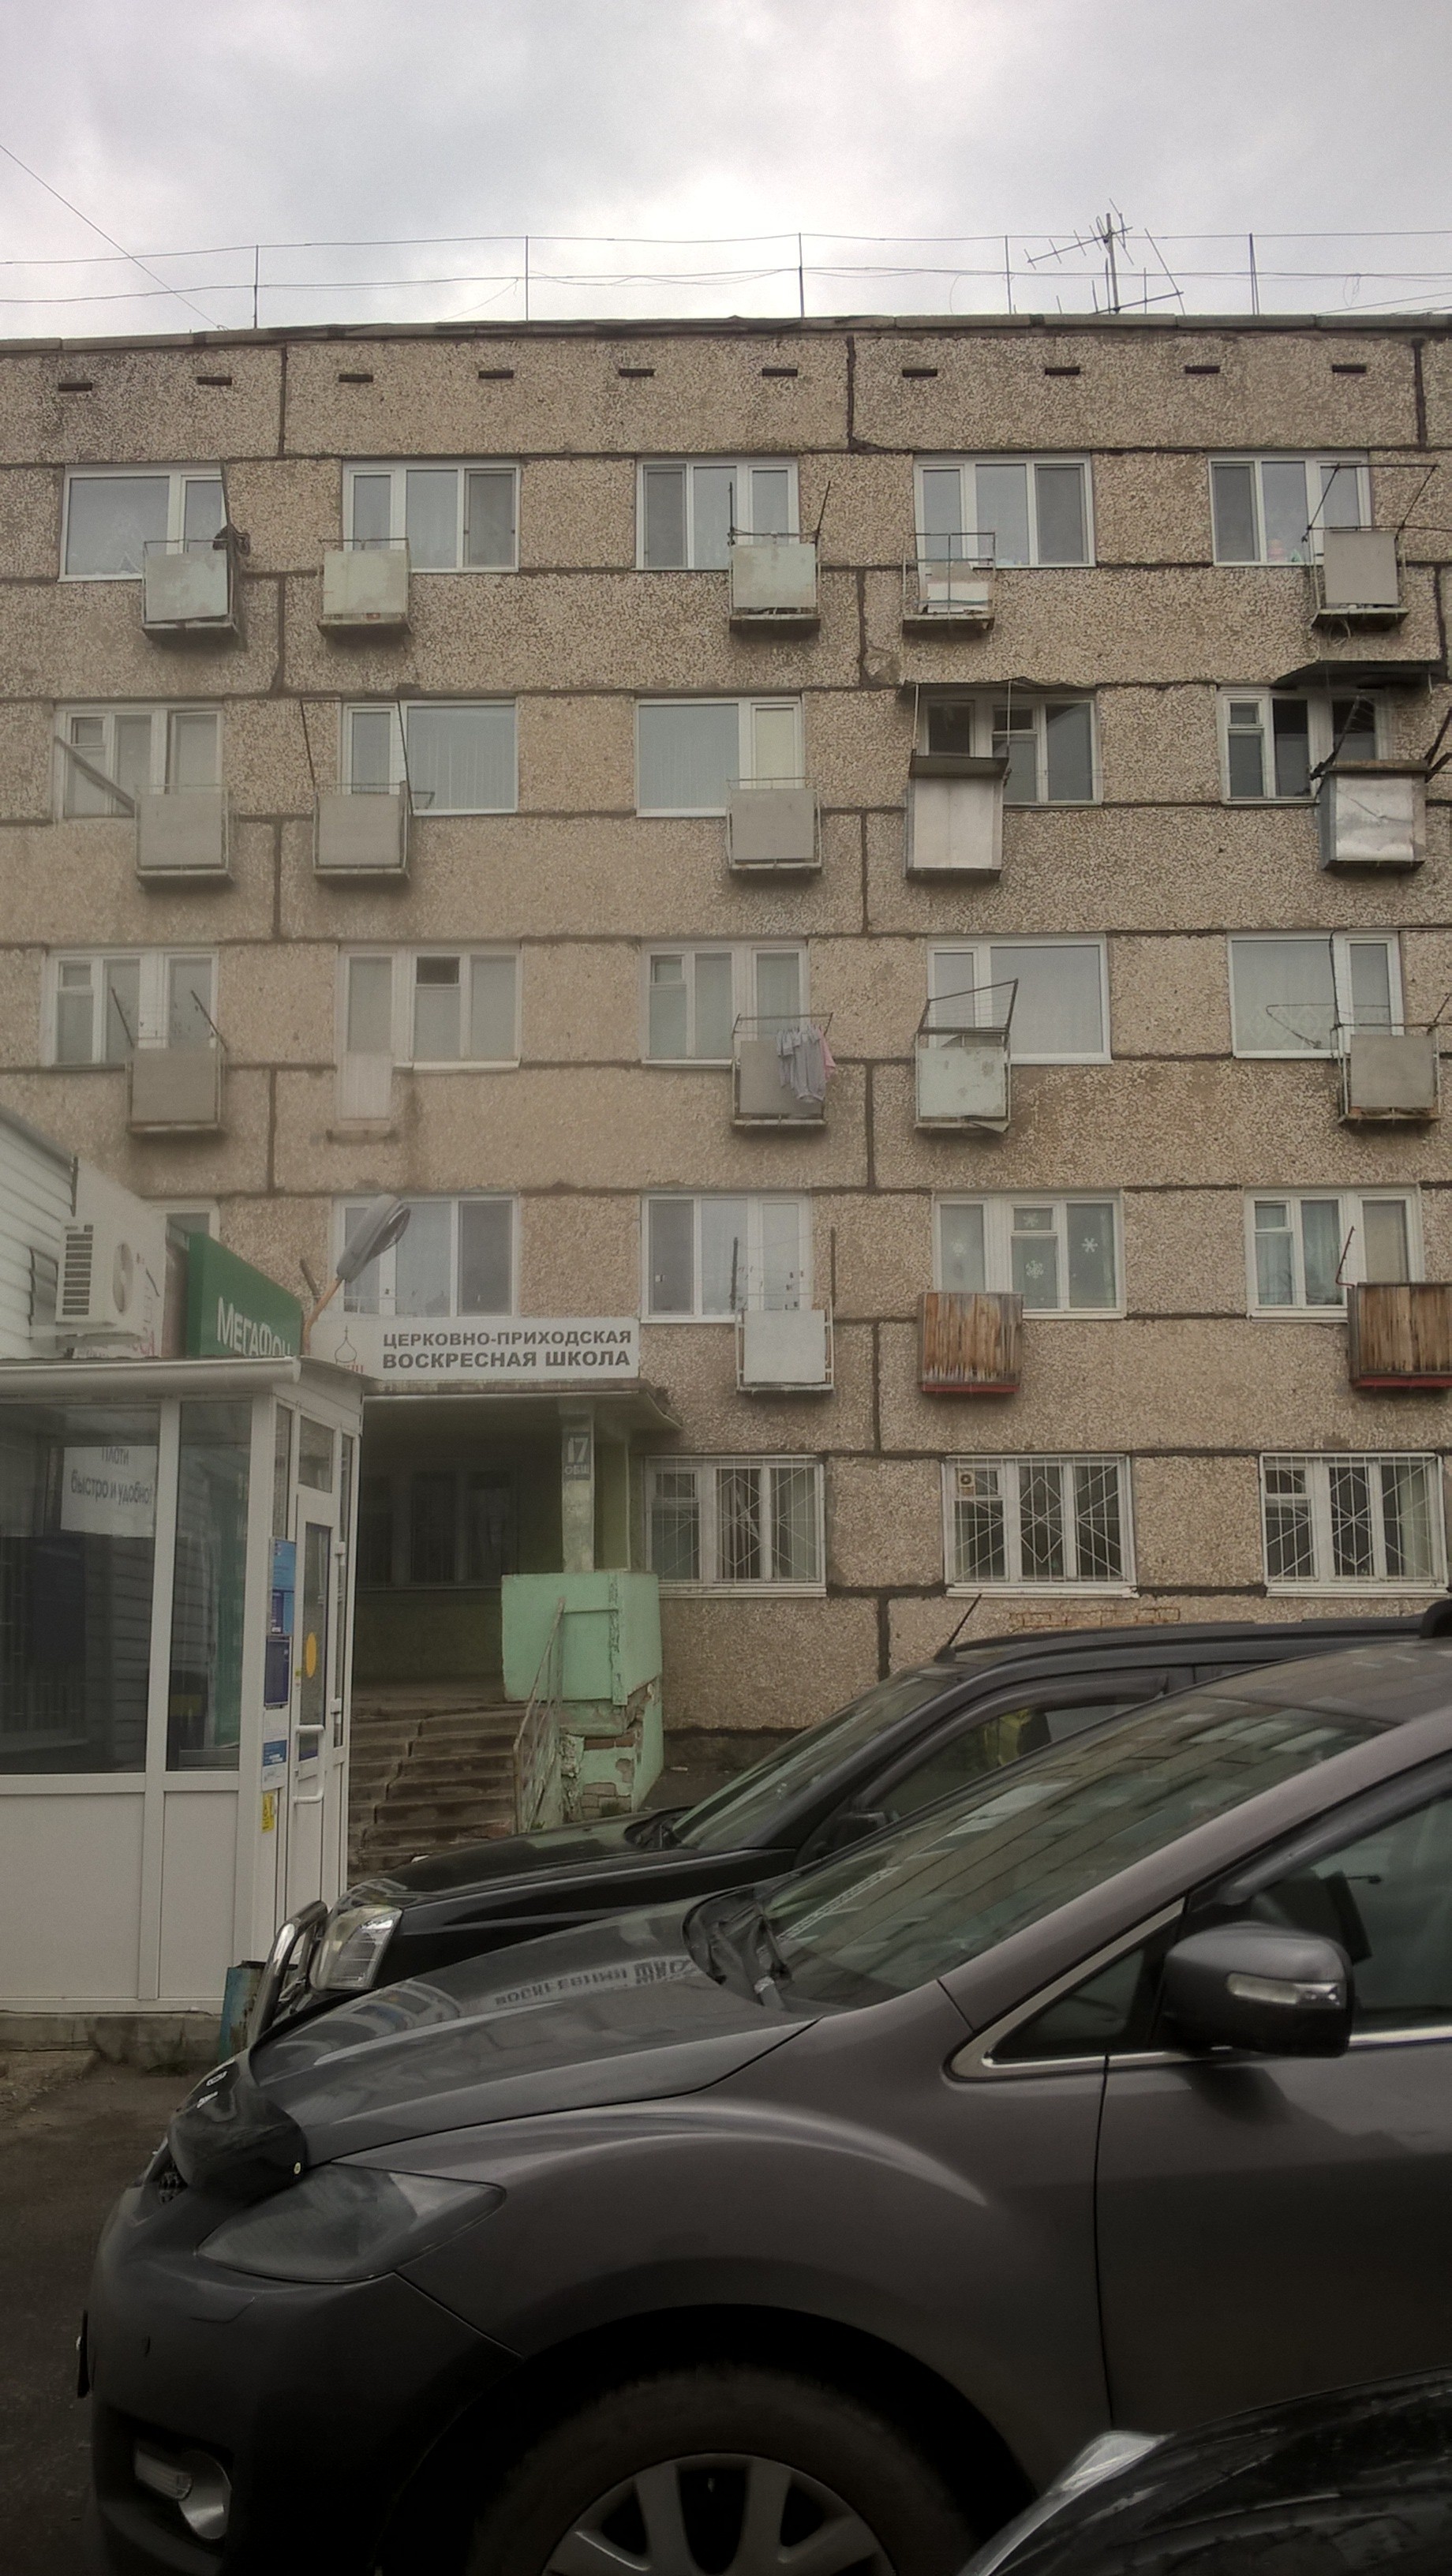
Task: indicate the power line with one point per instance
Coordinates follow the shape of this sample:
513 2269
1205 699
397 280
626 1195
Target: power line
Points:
103 235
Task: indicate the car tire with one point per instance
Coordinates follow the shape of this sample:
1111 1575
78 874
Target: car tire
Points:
720 2470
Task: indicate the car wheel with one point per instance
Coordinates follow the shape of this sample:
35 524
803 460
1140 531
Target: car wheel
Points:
727 2469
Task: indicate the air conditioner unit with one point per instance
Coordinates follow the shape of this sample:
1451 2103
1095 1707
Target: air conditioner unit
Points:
113 1265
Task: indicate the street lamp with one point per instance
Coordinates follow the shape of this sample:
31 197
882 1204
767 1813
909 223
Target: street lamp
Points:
383 1221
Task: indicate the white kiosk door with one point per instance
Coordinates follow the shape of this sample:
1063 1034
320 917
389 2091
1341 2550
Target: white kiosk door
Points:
318 1770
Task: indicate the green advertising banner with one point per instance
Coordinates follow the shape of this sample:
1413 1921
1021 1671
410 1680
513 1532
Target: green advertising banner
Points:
233 1311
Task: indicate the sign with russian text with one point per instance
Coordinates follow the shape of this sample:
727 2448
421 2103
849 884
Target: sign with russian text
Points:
235 1312
524 1351
110 1491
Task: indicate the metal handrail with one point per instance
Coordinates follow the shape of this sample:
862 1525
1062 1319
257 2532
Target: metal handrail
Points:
969 1028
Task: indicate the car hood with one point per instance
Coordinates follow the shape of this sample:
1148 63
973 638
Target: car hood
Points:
614 2012
613 1840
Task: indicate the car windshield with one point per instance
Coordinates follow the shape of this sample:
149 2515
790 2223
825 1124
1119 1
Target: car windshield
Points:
729 1817
959 1877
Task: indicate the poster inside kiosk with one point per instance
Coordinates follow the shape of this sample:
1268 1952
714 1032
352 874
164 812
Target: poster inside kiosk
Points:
109 1491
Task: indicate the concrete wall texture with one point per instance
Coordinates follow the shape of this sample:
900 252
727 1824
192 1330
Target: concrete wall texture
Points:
1182 1379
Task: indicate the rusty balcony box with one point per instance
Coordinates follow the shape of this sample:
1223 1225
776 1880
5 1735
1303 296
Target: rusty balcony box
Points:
773 585
1357 578
365 589
176 1090
1399 1334
971 1342
1390 1076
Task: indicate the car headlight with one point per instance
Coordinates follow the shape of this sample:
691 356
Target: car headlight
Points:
346 2223
352 1942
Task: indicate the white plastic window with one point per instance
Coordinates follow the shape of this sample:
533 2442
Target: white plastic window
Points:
1061 1255
1014 509
688 510
455 1257
708 1257
111 519
454 518
104 1006
1031 1524
1305 1247
456 756
694 997
1273 740
432 1007
1048 743
1349 1522
1060 1007
108 755
1298 993
1274 509
690 752
732 1524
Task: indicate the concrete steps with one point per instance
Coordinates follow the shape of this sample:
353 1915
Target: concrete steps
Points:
430 1769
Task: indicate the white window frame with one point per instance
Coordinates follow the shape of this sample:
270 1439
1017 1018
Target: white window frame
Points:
1010 1468
1319 1464
969 523
154 1000
998 1238
1341 943
746 711
755 1200
398 767
1351 1221
742 467
1036 705
743 985
980 954
180 476
397 468
404 963
705 1470
157 715
1312 460
387 1261
1321 734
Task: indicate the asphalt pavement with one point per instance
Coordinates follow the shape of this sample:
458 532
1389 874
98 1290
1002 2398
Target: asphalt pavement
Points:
64 2155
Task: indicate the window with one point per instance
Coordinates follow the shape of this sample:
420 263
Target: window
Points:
1272 509
1298 994
1060 1008
433 1006
713 1256
455 759
455 1257
694 997
1274 741
1339 1520
76 1600
1035 510
110 754
729 1523
105 1005
456 518
1048 743
111 519
204 1686
688 512
1060 1255
1303 1246
959 1760
440 1526
1023 1523
1385 1898
691 751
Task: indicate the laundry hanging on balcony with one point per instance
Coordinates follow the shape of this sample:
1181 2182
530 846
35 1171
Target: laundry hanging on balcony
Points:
806 1062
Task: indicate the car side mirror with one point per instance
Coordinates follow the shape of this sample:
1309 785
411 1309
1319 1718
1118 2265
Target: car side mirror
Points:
1256 1986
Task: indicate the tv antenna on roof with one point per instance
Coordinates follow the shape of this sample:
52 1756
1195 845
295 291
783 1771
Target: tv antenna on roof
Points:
1109 233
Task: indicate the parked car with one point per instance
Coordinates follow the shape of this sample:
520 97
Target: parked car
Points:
906 1741
1328 2486
821 2228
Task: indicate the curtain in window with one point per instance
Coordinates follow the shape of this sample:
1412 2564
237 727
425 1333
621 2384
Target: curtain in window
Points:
1059 1006
1285 995
431 517
689 757
112 518
486 1268
461 759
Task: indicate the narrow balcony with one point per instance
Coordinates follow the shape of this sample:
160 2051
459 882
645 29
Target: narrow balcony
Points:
773 585
176 1090
1389 1077
971 1342
773 829
1357 579
188 588
780 1073
964 1075
947 586
785 1351
365 587
181 832
1373 814
955 814
361 832
1399 1335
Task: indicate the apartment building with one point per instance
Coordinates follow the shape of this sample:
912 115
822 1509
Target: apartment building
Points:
881 889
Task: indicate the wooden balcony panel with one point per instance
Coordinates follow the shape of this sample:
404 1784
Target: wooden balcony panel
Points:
971 1344
1400 1335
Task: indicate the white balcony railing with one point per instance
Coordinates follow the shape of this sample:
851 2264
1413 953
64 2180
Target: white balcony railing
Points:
948 584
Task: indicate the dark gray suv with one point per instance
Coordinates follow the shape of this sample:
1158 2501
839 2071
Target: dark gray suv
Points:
814 2230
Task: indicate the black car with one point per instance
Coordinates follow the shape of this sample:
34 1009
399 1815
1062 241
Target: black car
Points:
818 2228
1352 2484
911 1739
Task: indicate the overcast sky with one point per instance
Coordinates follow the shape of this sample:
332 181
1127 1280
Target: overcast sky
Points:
176 124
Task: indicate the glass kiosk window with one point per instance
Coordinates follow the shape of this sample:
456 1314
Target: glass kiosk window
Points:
77 1540
204 1693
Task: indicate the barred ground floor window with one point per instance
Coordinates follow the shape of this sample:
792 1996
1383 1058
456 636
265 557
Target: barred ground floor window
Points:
1023 1523
1353 1520
728 1524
